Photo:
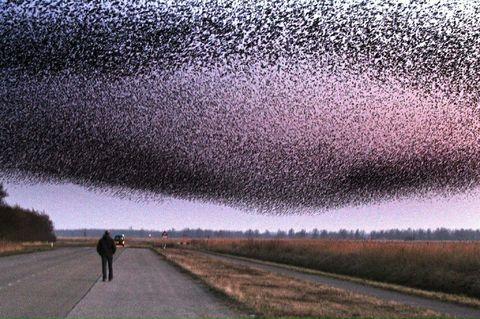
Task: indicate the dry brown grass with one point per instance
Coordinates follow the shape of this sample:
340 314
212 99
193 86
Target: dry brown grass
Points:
7 247
129 242
156 242
449 267
276 295
76 241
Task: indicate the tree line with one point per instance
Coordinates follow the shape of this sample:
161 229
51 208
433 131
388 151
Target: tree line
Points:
391 234
19 224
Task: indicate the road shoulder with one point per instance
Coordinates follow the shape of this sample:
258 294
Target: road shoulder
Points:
358 286
276 295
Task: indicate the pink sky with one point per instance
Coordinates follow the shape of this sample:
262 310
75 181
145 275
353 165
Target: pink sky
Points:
72 206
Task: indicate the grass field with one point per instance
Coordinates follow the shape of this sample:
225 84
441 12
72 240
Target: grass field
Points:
274 295
129 242
450 267
9 248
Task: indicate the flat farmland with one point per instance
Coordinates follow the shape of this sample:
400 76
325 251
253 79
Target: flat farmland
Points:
447 267
193 279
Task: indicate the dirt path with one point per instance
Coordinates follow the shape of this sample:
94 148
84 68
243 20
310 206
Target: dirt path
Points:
435 305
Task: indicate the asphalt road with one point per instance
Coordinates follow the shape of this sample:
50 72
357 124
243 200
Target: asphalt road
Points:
66 282
144 285
46 284
446 308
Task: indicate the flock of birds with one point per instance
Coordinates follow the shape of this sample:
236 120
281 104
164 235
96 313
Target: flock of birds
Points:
278 106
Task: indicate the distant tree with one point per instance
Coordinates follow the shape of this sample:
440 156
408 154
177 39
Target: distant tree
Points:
291 233
442 234
359 234
281 234
16 217
301 234
3 194
343 234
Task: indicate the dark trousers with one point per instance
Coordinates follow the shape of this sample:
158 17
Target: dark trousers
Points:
105 260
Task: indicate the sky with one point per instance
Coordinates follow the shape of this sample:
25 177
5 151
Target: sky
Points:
71 206
278 104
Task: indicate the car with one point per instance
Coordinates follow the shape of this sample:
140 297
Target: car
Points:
120 240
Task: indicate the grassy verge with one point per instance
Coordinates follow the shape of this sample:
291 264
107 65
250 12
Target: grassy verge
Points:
231 302
76 242
13 248
456 299
274 295
445 267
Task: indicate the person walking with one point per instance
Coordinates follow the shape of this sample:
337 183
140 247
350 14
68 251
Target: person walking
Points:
164 239
106 249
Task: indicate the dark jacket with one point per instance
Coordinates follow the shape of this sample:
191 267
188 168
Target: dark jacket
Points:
106 246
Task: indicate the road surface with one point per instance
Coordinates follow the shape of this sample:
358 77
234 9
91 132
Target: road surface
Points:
46 284
66 283
446 308
146 286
